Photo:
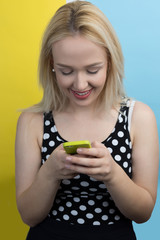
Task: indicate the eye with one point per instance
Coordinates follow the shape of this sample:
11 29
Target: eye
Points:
92 72
67 73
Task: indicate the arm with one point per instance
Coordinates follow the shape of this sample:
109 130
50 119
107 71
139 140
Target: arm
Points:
36 186
134 197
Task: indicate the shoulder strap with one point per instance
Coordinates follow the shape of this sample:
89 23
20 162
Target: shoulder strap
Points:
131 106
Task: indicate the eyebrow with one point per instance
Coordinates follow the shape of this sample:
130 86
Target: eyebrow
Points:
90 65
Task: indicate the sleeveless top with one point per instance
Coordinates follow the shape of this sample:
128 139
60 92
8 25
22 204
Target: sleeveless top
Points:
83 199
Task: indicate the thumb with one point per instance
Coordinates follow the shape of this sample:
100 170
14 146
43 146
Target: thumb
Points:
96 144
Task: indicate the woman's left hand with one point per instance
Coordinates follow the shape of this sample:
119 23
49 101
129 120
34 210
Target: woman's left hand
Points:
96 162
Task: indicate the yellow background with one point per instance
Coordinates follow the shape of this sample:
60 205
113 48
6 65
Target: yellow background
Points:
21 27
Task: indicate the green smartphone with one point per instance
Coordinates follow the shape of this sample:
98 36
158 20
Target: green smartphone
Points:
71 147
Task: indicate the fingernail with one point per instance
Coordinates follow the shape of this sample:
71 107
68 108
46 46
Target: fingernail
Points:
68 158
79 150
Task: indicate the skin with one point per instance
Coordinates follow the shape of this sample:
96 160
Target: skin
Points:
36 186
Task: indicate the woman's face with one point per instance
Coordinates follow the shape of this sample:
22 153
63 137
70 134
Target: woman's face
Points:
81 67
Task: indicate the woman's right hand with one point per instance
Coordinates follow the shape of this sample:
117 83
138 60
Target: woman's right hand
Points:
55 165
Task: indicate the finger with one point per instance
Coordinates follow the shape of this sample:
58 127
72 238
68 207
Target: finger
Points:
83 161
93 152
83 169
96 144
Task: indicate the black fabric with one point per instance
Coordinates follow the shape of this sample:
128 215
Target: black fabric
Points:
50 229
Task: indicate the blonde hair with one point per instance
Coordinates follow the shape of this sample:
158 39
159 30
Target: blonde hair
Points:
86 19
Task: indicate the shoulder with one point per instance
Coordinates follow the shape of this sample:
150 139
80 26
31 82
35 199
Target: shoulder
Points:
30 123
27 119
143 119
142 112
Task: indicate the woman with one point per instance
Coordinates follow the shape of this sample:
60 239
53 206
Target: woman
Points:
98 192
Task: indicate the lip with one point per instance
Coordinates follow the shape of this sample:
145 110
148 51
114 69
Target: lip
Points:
82 94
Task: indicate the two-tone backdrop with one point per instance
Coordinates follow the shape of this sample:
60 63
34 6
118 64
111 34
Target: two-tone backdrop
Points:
22 24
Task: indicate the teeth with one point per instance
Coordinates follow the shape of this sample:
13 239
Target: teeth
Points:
82 94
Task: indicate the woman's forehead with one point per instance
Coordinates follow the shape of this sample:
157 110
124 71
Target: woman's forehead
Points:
78 48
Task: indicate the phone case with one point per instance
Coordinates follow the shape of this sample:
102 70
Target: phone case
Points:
71 147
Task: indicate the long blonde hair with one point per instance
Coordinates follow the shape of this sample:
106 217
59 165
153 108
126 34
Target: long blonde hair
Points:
86 19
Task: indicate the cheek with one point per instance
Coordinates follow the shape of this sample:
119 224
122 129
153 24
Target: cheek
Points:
100 80
63 82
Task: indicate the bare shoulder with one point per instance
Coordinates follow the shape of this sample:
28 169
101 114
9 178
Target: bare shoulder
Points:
30 118
31 123
143 119
142 113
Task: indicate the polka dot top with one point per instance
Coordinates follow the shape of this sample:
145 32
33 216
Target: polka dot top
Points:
83 199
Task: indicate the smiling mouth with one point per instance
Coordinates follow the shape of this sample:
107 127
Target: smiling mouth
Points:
82 95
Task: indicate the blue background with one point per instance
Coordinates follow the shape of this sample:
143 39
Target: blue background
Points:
137 24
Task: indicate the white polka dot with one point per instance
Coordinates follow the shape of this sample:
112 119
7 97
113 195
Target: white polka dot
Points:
109 139
113 130
123 149
110 149
68 192
65 217
96 223
130 170
74 212
80 220
61 209
120 118
75 188
125 127
117 158
125 164
51 143
84 193
127 141
115 142
89 215
111 211
120 134
59 139
47 123
93 179
54 212
44 149
66 182
91 202
47 156
76 199
93 189
102 186
105 204
130 145
117 218
82 208
68 204
54 129
128 155
99 197
104 217
98 210
43 161
84 184
46 136
110 223
77 177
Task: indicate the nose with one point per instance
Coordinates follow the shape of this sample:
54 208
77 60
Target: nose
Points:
80 81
